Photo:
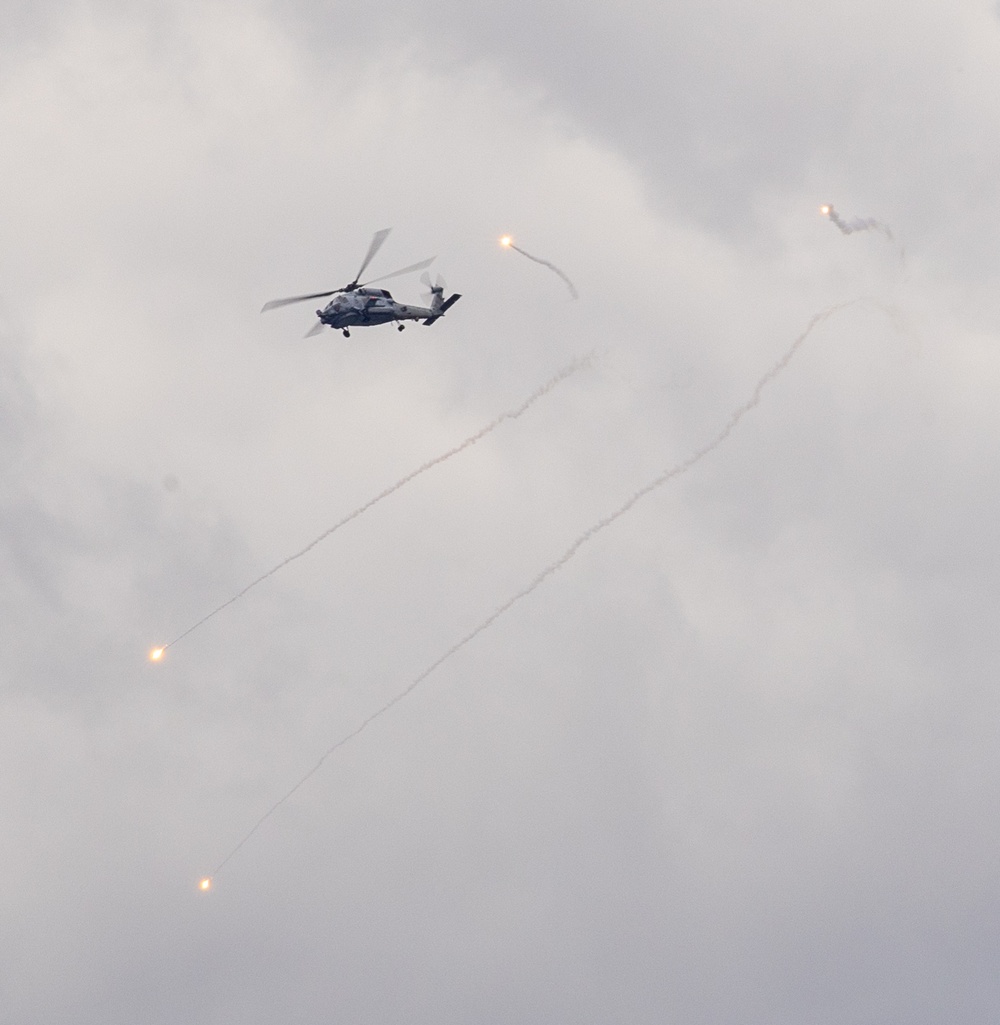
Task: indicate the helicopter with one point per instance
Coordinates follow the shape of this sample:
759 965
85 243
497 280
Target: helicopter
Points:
359 305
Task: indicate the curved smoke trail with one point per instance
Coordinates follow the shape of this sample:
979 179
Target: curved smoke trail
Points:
856 223
553 567
508 243
511 414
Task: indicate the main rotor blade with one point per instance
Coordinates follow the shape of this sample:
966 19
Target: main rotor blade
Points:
377 239
275 303
315 329
405 270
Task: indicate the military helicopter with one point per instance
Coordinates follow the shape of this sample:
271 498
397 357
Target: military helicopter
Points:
358 305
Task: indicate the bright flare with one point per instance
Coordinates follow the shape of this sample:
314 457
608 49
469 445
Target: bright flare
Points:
506 240
156 654
205 884
825 209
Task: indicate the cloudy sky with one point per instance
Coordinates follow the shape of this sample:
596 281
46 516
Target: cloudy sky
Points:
734 762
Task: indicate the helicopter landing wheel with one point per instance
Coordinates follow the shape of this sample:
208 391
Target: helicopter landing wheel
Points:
347 334
399 327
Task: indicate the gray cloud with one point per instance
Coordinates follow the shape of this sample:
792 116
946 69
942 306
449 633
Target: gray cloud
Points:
735 761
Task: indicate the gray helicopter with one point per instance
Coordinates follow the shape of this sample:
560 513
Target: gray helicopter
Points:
359 305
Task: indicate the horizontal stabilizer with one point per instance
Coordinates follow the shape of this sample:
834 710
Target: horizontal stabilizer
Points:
443 308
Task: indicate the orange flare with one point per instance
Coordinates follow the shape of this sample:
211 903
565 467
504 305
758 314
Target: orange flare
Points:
506 240
156 654
205 884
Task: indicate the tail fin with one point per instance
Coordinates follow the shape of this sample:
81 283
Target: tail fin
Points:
441 308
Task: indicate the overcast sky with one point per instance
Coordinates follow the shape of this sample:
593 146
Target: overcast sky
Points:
737 760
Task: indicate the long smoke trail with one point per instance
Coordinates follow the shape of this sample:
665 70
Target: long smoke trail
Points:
508 243
856 223
511 414
554 567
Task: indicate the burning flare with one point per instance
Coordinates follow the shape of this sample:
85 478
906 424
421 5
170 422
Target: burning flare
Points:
508 243
156 654
205 884
856 223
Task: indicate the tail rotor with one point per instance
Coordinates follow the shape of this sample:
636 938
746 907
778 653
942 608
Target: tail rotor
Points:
435 290
436 302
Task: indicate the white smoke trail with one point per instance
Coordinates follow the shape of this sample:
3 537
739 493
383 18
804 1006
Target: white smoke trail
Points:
511 414
506 241
554 567
856 223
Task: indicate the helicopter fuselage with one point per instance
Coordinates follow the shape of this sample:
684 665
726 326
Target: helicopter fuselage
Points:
363 307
